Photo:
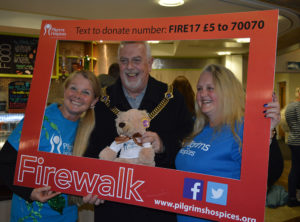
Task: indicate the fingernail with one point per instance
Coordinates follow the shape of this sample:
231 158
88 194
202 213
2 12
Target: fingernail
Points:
266 105
265 115
264 111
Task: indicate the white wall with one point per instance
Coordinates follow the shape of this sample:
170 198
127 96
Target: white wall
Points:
235 64
292 78
292 81
23 20
281 60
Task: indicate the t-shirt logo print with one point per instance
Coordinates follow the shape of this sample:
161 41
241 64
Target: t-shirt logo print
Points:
56 143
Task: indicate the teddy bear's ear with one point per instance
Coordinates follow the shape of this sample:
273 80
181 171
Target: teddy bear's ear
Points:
120 113
144 112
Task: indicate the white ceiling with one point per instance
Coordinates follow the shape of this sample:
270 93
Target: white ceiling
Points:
26 16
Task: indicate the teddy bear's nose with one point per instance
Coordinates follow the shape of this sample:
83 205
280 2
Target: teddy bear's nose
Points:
121 125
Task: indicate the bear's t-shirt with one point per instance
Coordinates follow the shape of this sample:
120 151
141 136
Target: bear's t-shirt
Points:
128 149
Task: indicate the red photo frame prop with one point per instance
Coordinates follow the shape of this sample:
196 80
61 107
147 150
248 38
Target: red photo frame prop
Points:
151 186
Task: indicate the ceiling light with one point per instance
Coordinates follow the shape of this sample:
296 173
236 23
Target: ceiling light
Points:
153 42
224 53
171 3
243 40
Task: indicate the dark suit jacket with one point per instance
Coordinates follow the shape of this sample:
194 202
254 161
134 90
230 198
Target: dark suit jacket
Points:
172 124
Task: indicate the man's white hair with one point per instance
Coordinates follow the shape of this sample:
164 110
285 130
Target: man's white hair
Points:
146 44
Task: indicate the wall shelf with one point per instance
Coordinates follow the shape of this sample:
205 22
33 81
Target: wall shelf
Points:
72 55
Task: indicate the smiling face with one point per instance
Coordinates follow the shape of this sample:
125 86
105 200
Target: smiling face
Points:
135 67
78 97
207 98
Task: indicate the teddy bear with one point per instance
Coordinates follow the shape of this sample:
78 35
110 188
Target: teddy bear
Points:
130 125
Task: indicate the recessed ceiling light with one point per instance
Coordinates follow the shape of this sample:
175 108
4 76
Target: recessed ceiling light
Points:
153 42
243 40
171 3
224 53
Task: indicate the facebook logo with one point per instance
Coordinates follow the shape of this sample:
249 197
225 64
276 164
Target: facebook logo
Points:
216 193
193 189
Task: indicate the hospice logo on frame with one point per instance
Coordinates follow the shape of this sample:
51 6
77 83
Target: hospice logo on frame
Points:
55 32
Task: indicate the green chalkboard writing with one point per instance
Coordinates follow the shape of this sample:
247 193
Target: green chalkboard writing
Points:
17 54
18 93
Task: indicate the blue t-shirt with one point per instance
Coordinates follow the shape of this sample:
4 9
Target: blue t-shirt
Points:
57 136
214 153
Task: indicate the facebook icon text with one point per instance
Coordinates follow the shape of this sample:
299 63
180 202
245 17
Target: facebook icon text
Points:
193 189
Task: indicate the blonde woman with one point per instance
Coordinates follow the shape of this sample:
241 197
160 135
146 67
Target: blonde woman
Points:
215 146
62 123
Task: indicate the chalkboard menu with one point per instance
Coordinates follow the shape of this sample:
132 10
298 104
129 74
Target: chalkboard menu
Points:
17 54
18 93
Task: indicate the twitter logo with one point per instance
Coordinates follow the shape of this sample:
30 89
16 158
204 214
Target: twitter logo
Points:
216 193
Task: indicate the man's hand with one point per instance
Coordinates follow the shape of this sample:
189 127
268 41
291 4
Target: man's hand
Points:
90 199
154 139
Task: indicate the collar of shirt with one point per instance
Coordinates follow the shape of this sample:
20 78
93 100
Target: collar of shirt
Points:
134 102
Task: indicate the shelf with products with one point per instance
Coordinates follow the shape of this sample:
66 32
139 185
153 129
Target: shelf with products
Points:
75 55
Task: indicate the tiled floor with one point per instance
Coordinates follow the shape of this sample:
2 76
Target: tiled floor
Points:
284 213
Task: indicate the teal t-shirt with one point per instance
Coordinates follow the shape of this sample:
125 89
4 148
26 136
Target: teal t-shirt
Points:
212 153
57 136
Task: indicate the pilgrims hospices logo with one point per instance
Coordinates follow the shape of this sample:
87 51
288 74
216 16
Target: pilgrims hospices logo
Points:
55 32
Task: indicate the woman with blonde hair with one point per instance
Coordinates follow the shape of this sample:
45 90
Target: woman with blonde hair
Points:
215 146
74 118
229 107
